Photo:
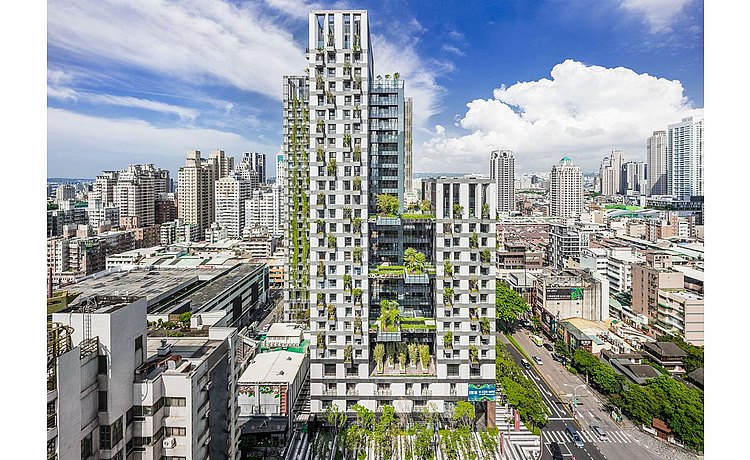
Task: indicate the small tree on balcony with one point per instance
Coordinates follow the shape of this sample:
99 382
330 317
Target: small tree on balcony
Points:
473 285
402 361
356 226
357 153
331 311
321 226
389 315
330 97
357 253
448 267
484 325
485 211
458 211
320 124
448 340
331 242
318 82
347 212
321 300
321 271
321 199
358 325
474 241
485 256
320 154
348 353
357 111
413 349
347 140
424 355
387 204
321 340
379 354
414 260
357 295
358 82
347 68
347 281
425 206
332 167
473 354
448 296
357 183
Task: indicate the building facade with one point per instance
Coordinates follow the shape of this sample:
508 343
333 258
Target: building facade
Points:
196 191
502 172
231 194
685 158
566 190
656 159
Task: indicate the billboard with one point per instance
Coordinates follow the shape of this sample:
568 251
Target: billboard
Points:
567 293
482 392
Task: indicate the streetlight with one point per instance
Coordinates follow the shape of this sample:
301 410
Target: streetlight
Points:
575 393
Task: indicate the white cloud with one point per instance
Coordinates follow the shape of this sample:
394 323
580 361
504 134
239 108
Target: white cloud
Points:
657 13
64 93
453 49
191 40
297 9
583 112
81 145
439 130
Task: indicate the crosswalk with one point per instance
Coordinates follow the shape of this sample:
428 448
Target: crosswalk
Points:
519 445
588 436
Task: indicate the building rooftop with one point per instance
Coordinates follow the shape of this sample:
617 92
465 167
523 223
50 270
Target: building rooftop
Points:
218 285
285 330
666 349
100 303
273 367
697 376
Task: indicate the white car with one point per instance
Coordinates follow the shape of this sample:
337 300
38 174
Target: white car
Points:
537 360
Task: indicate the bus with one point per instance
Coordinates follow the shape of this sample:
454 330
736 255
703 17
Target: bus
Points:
537 340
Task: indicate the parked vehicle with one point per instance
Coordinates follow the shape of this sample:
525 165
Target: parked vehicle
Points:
525 363
577 440
537 360
537 340
548 347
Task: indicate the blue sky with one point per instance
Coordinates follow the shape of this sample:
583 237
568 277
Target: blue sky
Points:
144 81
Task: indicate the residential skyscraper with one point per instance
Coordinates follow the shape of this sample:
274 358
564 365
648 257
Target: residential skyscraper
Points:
634 177
610 181
685 158
656 158
503 173
258 164
230 196
408 140
134 193
196 192
280 164
566 189
263 209
247 172
221 164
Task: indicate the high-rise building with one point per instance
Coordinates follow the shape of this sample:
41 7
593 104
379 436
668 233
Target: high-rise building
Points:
263 209
610 180
104 187
408 140
566 189
196 192
258 164
135 193
65 192
685 158
503 173
350 263
221 164
616 159
230 196
656 158
634 177
280 164
247 172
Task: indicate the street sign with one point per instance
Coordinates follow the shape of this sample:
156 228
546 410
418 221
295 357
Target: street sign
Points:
516 421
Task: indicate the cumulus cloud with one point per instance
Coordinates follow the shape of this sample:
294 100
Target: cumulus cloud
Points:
439 130
657 14
73 138
583 111
190 40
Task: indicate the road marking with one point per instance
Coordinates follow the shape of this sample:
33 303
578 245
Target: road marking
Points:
560 418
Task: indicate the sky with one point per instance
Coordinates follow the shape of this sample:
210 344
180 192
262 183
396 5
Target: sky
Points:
144 81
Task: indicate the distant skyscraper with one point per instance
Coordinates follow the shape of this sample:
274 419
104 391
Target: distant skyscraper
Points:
134 193
685 158
221 165
566 189
195 192
247 171
254 161
634 177
656 157
230 195
502 172
280 169
616 161
408 155
263 209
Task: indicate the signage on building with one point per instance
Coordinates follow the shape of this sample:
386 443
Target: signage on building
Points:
568 293
482 392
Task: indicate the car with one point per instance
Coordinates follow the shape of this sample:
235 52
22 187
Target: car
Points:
548 346
556 452
537 360
575 436
599 432
525 363
556 357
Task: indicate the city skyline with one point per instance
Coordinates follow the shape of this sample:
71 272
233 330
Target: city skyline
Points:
120 103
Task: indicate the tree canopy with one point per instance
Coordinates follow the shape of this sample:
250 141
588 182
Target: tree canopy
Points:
509 304
387 204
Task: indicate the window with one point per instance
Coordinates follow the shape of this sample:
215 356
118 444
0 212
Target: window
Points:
117 431
86 446
102 401
330 370
105 439
102 364
139 343
453 370
174 431
175 402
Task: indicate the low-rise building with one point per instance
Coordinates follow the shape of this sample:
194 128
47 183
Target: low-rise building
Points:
666 354
680 313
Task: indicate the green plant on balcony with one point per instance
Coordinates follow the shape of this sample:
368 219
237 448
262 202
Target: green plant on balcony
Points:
474 241
485 211
390 353
331 242
347 281
320 124
458 211
357 254
318 82
402 362
358 82
473 354
358 325
448 268
321 270
415 261
448 340
396 76
320 154
357 295
379 354
357 153
413 350
347 140
332 167
485 256
473 313
389 316
387 204
331 311
347 68
473 285
357 183
424 356
357 226
447 228
321 199
320 226
448 296
357 111
348 353
425 206
330 97
347 212
321 300
484 325
321 340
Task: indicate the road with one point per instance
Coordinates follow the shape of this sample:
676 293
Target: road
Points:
558 386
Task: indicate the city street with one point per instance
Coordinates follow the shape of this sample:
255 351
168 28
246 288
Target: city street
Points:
559 387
